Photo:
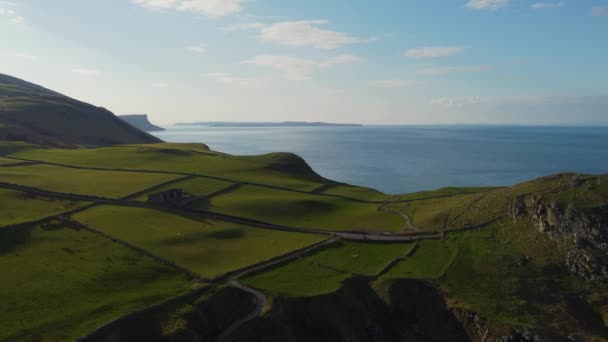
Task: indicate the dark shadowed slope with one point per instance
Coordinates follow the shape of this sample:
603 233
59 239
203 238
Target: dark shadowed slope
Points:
31 113
141 121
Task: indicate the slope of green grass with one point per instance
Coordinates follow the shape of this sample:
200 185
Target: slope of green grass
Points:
39 115
436 214
359 257
60 284
193 187
18 207
302 210
285 172
7 161
207 247
429 261
443 192
112 184
299 278
357 192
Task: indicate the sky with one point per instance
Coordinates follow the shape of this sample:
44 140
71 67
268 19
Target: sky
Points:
356 61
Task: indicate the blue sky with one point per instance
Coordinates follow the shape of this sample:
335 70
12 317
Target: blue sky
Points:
365 61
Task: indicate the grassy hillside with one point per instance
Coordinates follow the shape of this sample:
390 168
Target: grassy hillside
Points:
302 210
58 284
18 207
207 247
31 113
530 257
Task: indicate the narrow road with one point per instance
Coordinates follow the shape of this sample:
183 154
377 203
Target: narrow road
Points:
261 299
260 302
406 218
356 236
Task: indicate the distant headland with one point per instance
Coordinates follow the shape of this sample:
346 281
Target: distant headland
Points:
264 124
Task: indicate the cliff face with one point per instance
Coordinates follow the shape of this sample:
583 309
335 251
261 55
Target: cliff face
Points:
140 121
584 233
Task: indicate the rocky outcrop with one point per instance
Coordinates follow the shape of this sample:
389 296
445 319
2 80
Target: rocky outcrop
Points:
584 233
140 121
413 310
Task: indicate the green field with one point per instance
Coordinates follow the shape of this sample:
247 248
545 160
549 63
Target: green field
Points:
209 248
60 284
302 210
429 261
359 257
357 192
111 184
7 161
193 187
298 279
323 271
284 170
18 207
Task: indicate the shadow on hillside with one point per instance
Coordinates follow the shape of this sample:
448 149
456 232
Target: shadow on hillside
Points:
11 238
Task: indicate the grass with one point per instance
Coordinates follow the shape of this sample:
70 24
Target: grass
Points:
7 161
323 271
357 192
194 187
302 210
209 248
443 192
298 279
285 172
438 213
60 284
359 257
84 182
429 261
18 207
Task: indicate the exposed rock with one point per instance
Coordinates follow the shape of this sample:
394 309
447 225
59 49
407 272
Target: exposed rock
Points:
584 233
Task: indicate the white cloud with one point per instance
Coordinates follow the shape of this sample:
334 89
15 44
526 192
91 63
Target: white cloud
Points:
243 27
392 83
307 33
599 11
211 8
294 68
86 71
548 5
453 70
197 49
433 52
246 82
11 15
156 4
488 5
342 59
17 55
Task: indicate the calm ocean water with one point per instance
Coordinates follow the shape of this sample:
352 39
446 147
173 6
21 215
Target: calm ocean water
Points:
401 159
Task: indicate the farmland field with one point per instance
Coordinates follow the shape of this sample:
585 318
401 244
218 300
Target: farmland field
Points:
357 192
18 207
84 182
207 247
7 161
194 187
302 210
280 171
56 283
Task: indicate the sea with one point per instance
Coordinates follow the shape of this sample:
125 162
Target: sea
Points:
404 159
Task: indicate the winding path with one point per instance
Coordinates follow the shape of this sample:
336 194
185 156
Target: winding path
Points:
260 302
